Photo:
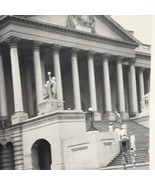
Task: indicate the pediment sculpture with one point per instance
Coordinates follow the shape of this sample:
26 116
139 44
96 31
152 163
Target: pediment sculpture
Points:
85 21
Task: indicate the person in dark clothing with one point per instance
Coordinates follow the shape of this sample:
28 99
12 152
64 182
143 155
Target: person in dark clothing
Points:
124 143
124 160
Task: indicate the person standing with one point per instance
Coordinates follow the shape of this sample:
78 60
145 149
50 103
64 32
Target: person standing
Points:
133 157
110 127
118 117
124 160
124 127
124 143
123 130
132 141
117 130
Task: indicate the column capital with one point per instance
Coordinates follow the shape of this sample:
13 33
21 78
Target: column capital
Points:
12 41
132 61
141 69
90 53
106 55
74 51
119 58
56 47
36 44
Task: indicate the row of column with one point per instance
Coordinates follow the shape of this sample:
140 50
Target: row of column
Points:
17 91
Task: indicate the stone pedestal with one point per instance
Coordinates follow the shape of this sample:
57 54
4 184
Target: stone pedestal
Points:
48 106
124 116
109 116
97 116
19 117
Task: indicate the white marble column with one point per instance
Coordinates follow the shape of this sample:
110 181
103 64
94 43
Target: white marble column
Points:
3 101
57 71
106 83
43 72
37 71
148 81
29 92
120 85
91 77
75 77
130 91
133 87
92 86
107 88
19 115
141 83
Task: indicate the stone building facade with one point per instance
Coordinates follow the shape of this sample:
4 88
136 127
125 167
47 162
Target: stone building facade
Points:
96 63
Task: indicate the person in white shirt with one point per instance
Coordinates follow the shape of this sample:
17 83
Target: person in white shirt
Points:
133 157
122 132
132 141
110 127
124 129
118 117
117 130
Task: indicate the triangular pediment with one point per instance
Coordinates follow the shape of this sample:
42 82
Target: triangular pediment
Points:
99 25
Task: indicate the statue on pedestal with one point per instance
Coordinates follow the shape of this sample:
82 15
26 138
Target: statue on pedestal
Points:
145 104
50 88
50 102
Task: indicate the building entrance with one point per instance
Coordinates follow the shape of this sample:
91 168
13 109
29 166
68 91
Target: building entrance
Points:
41 155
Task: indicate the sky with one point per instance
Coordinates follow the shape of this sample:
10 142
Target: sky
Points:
140 24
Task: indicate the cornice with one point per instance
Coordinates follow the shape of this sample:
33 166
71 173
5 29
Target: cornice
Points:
24 21
117 26
141 54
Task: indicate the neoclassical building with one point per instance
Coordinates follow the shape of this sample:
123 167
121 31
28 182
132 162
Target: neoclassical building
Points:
96 63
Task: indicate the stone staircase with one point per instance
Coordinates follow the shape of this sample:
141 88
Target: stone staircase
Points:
142 141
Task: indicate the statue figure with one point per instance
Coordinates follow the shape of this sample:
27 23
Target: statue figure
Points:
82 20
50 88
53 87
46 90
71 21
144 104
147 99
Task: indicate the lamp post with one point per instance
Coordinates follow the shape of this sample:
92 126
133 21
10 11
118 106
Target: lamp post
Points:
90 111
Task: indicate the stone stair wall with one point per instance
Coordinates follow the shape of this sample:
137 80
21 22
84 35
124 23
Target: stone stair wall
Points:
6 157
142 140
142 144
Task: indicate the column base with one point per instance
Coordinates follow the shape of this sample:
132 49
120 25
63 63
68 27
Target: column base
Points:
3 118
97 116
134 114
48 106
109 116
124 116
19 117
4 121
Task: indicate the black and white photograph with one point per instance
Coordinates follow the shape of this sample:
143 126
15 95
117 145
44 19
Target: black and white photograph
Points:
75 92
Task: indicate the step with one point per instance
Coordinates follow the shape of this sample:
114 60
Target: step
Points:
118 167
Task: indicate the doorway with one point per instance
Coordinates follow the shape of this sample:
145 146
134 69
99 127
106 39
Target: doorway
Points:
41 155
